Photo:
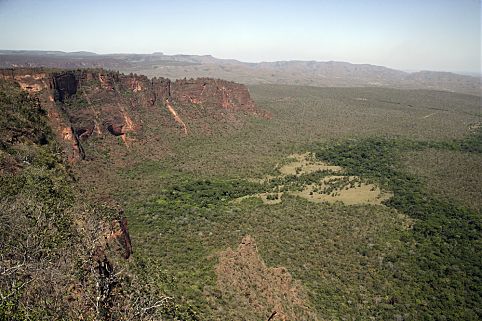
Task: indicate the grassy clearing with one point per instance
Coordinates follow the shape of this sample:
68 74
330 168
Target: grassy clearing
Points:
299 178
306 164
351 191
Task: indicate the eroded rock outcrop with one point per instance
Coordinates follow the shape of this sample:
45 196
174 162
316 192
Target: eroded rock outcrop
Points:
111 245
31 80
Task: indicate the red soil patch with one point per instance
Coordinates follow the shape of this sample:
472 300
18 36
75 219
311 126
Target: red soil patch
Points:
257 291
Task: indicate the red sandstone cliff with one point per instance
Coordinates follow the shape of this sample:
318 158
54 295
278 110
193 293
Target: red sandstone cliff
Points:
93 102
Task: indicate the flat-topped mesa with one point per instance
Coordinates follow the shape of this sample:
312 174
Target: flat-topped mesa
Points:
91 102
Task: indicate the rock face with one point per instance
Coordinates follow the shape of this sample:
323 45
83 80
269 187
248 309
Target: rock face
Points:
95 102
65 85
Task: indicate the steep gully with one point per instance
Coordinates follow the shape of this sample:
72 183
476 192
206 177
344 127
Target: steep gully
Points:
176 116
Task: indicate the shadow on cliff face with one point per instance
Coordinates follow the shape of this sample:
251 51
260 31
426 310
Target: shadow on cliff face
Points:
65 85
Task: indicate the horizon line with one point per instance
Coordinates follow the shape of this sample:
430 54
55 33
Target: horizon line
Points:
472 73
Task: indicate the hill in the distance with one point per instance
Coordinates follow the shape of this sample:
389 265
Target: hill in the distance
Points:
311 73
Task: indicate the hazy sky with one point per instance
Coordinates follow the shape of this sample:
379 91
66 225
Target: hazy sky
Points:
402 34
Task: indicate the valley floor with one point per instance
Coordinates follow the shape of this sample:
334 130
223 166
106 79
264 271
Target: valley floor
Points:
413 255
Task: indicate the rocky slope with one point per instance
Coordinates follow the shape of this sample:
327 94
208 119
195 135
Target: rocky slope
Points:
95 103
59 252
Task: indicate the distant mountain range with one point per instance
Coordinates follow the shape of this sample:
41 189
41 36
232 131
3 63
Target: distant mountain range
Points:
312 73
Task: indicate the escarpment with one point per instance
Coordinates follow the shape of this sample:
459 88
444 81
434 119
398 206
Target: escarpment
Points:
96 104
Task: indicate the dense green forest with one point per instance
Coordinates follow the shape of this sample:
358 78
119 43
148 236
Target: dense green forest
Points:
443 278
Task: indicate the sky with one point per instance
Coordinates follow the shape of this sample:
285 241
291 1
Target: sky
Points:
409 35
